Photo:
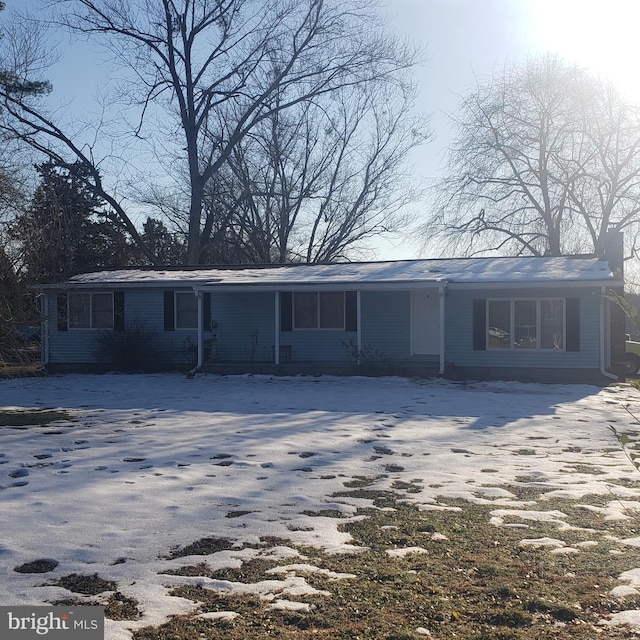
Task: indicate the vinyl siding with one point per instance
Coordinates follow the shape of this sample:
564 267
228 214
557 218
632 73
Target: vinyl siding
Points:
143 308
459 332
245 326
245 331
386 325
318 345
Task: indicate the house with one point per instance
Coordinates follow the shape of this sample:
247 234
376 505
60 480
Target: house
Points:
527 318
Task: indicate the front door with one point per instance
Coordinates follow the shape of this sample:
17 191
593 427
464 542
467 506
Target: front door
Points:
425 322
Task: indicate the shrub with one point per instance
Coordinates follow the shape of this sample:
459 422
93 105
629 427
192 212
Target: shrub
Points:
135 349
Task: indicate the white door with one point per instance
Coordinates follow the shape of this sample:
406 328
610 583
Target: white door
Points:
425 322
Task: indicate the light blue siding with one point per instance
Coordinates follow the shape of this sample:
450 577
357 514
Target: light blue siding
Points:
144 310
245 326
245 332
386 325
74 346
318 345
459 332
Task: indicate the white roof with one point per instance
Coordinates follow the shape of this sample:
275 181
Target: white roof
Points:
463 272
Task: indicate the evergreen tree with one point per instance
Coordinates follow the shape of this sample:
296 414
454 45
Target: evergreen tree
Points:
166 247
66 230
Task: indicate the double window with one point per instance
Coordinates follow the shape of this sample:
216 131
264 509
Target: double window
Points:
90 311
526 324
319 310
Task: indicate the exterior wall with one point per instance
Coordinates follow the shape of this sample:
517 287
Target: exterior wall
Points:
520 363
386 323
144 313
245 333
245 328
317 345
144 309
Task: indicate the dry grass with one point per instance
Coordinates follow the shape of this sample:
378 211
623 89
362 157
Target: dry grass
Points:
24 418
479 582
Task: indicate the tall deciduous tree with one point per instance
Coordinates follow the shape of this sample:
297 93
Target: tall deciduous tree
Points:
205 73
546 158
313 184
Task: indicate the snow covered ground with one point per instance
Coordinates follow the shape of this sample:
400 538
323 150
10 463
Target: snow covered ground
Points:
150 463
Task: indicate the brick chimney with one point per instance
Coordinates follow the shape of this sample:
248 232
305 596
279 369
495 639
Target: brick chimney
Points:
612 250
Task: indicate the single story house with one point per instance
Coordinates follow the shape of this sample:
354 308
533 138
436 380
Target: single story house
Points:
526 318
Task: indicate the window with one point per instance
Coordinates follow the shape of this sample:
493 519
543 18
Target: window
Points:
90 311
186 310
526 324
319 310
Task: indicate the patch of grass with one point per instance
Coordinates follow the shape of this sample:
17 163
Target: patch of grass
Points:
32 417
583 468
478 583
358 482
191 571
120 607
29 369
251 571
410 487
203 547
324 513
86 585
116 607
37 566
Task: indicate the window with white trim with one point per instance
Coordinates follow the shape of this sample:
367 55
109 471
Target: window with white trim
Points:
186 309
319 310
90 311
535 324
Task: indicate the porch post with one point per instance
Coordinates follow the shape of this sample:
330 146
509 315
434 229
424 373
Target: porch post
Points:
44 327
441 292
358 324
200 330
276 338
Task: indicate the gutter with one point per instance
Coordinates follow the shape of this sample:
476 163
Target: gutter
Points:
603 370
200 346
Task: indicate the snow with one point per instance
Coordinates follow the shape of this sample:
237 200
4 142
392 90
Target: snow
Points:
462 271
152 463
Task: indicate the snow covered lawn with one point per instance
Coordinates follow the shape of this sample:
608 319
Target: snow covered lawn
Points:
149 464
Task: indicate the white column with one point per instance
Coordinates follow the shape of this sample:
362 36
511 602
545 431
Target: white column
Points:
358 323
200 330
276 338
442 293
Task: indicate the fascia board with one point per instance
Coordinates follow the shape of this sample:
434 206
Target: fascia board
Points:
534 284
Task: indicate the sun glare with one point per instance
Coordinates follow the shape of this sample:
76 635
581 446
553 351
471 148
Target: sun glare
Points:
601 35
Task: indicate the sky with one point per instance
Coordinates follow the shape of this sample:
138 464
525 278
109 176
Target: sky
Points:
465 41
146 464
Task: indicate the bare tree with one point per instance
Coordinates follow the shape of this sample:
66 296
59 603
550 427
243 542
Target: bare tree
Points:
208 72
546 158
313 183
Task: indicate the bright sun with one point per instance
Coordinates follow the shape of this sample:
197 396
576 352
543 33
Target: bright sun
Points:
601 35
